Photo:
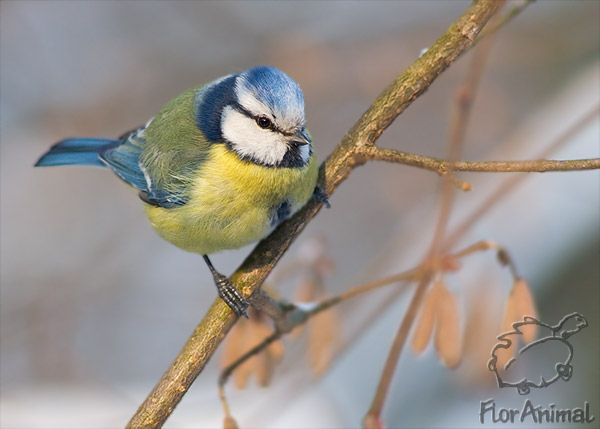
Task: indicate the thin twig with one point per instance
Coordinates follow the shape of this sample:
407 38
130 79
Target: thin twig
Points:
406 276
463 106
502 254
510 184
226 373
503 20
442 166
397 346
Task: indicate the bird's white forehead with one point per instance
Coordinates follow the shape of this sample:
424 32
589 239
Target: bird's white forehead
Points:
248 101
287 113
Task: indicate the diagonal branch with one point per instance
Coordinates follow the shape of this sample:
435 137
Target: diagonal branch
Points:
409 85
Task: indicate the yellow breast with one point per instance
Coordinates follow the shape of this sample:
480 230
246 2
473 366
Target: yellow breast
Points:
232 203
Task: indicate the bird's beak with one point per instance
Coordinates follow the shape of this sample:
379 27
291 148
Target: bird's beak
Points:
301 137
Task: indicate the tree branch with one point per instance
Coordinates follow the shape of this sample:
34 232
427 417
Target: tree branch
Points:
397 346
249 277
442 166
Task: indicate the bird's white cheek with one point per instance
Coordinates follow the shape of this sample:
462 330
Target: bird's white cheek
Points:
248 139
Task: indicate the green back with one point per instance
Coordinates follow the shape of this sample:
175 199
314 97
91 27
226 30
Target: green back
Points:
174 147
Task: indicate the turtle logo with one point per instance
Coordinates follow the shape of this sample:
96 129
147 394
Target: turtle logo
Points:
553 338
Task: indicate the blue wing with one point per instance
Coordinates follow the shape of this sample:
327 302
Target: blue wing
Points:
124 160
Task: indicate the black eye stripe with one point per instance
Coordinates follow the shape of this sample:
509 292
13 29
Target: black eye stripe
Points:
246 112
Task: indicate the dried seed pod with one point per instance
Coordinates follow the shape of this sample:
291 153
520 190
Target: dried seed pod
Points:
448 339
518 305
424 328
263 369
322 328
265 362
245 335
229 423
242 373
510 314
481 328
525 306
276 350
372 421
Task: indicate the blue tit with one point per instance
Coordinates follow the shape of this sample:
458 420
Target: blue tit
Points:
219 167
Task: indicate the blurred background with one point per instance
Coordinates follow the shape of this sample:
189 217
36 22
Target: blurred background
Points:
94 305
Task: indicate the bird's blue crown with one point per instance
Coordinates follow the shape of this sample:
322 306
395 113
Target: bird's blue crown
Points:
275 89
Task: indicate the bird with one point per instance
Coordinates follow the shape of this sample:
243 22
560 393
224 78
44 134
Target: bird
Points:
219 167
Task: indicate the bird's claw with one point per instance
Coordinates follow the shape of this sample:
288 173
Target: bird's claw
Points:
230 295
321 197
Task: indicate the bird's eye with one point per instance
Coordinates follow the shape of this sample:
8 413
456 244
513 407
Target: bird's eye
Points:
263 122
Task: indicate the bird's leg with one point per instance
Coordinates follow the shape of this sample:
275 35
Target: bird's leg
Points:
321 197
227 291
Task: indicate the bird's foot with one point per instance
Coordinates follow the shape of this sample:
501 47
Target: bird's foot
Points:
321 197
231 296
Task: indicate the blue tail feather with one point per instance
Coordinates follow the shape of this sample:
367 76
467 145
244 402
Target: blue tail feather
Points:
122 156
76 151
